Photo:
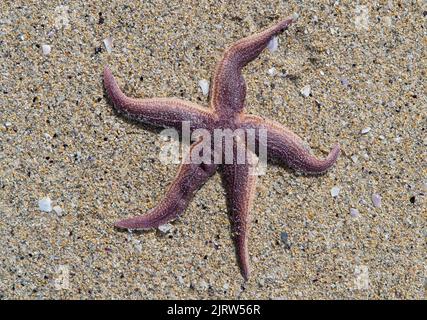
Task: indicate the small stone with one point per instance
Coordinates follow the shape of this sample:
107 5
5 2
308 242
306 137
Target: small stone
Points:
335 191
272 71
138 247
180 280
78 156
412 199
7 124
108 43
273 44
204 85
354 158
376 200
344 82
354 212
285 239
203 285
305 91
45 204
365 130
363 202
165 228
57 209
46 49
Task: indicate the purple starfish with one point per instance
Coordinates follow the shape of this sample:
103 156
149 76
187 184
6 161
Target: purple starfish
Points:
226 112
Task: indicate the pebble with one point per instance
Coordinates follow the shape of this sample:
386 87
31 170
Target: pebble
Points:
165 228
354 158
305 91
45 204
203 285
204 85
273 44
108 43
365 130
285 239
376 200
180 280
46 49
272 71
354 212
57 209
335 191
344 82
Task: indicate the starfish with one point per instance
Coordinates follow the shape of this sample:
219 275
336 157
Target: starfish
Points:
226 111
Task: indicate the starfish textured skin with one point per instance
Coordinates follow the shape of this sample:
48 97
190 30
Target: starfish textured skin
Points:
228 92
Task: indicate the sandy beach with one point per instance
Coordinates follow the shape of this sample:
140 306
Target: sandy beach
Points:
70 166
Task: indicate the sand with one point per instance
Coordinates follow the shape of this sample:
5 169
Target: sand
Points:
60 138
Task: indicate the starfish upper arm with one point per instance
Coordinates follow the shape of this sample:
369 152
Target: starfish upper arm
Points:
229 88
163 112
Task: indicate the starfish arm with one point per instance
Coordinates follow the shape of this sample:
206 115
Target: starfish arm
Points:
162 112
229 88
189 179
288 147
240 183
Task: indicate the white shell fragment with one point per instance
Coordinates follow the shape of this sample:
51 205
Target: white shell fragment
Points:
165 228
335 191
46 49
108 43
273 44
45 204
365 130
295 16
354 212
272 71
306 91
376 200
204 85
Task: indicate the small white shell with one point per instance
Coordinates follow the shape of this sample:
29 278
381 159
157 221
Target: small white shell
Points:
204 85
46 49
